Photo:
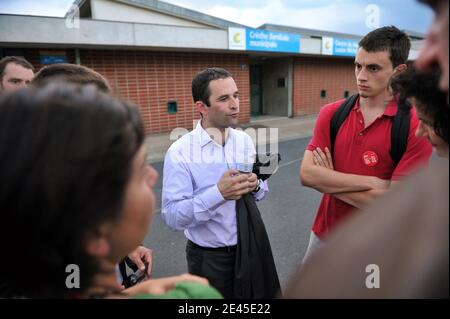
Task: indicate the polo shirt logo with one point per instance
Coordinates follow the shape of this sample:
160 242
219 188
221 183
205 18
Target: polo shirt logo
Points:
370 158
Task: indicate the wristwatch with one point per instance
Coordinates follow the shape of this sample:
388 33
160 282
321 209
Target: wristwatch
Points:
258 186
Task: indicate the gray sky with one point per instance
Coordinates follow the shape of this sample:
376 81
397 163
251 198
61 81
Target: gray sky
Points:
347 16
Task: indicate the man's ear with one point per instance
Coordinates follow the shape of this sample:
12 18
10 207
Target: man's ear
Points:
400 68
97 243
201 108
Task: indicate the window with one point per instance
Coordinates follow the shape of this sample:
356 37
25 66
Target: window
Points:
172 107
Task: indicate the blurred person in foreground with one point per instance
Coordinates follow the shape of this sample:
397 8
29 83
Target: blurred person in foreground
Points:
398 247
77 195
141 257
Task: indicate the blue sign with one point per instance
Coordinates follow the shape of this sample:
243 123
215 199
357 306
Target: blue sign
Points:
345 47
52 59
270 41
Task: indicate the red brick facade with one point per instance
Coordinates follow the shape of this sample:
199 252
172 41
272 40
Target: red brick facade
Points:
312 75
151 79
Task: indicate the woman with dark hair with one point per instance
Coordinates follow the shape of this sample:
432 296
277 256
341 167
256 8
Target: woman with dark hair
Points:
141 257
431 105
75 193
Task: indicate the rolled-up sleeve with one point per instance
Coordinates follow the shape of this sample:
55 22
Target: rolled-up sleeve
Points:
263 191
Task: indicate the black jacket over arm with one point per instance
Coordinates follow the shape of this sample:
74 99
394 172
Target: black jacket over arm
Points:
255 273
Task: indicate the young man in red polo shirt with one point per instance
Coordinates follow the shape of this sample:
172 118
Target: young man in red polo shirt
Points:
361 169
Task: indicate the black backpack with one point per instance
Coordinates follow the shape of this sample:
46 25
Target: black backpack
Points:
399 130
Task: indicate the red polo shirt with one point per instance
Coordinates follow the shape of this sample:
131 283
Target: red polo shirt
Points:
363 152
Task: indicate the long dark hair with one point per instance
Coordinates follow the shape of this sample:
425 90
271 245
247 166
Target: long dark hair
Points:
65 159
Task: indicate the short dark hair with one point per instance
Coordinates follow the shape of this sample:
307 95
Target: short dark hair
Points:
16 60
390 39
431 3
72 73
66 157
430 101
200 84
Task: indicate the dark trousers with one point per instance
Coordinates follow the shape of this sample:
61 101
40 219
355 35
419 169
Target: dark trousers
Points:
217 265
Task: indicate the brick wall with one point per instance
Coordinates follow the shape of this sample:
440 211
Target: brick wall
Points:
311 75
151 79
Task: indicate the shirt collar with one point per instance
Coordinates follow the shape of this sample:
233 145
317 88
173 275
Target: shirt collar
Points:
391 107
203 137
200 134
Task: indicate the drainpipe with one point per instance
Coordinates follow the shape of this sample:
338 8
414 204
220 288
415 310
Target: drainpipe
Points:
77 56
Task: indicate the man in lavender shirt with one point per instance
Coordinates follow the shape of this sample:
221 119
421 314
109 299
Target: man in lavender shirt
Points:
203 179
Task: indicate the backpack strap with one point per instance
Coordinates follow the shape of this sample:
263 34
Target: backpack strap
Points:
400 131
339 117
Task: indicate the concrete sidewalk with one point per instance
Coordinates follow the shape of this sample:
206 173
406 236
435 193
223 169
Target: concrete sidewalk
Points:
288 129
